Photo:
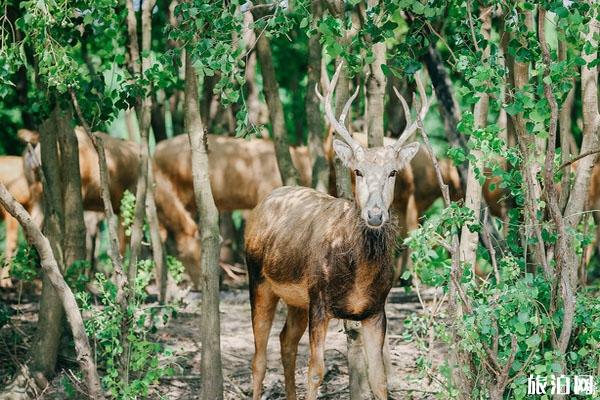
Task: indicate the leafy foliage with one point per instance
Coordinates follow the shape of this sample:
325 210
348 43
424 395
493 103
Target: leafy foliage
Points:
146 357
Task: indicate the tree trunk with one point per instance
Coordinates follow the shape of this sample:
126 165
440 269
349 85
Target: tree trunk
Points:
468 240
208 221
50 320
450 108
228 246
376 84
158 254
206 101
252 99
576 203
396 120
74 230
314 120
289 175
159 126
131 125
144 111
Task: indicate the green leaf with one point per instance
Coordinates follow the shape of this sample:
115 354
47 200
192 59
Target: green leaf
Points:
514 108
533 341
561 11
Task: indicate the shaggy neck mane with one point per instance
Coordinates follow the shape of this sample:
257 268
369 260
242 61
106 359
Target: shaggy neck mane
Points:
374 245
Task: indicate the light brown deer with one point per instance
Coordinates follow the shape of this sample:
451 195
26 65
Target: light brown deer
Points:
327 257
13 177
242 172
122 159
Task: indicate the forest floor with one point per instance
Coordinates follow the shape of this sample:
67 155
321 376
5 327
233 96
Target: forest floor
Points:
181 335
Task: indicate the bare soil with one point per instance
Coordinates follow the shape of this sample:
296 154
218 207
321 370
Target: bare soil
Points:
181 335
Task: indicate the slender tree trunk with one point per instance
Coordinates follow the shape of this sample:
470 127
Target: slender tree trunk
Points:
396 120
159 126
206 101
49 329
343 181
208 221
139 63
252 99
376 85
578 196
144 114
131 125
158 254
314 121
227 229
74 225
289 175
450 108
567 142
468 240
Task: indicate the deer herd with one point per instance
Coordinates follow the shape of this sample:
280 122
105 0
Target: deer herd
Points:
325 257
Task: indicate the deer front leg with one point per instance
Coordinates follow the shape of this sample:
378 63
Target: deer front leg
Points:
317 329
373 339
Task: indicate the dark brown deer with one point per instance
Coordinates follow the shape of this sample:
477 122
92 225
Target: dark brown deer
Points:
327 257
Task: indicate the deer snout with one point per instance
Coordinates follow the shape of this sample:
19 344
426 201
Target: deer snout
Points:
375 216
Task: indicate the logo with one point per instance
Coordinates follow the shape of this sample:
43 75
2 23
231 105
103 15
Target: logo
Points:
562 384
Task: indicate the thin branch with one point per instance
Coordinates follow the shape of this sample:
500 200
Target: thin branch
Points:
472 26
442 40
114 253
579 157
438 171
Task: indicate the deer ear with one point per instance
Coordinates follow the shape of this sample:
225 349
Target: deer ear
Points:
344 152
406 154
29 136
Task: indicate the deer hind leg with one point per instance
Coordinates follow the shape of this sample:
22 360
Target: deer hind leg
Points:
374 340
295 325
263 305
12 236
318 323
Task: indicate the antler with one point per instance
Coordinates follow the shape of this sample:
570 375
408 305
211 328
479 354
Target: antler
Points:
338 125
411 127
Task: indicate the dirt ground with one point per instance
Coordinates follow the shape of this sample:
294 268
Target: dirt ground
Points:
181 335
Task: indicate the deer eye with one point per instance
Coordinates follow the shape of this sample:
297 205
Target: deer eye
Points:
393 173
358 173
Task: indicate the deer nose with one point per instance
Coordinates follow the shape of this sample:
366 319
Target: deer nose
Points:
375 216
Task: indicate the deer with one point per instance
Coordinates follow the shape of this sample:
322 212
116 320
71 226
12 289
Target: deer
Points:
122 159
327 257
242 172
13 177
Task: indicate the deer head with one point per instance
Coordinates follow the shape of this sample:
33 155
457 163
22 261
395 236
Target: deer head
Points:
374 169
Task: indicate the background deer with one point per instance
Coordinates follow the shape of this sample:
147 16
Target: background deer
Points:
327 257
242 172
122 159
13 177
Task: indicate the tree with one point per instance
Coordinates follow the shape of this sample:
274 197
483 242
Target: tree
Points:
289 175
208 219
315 125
